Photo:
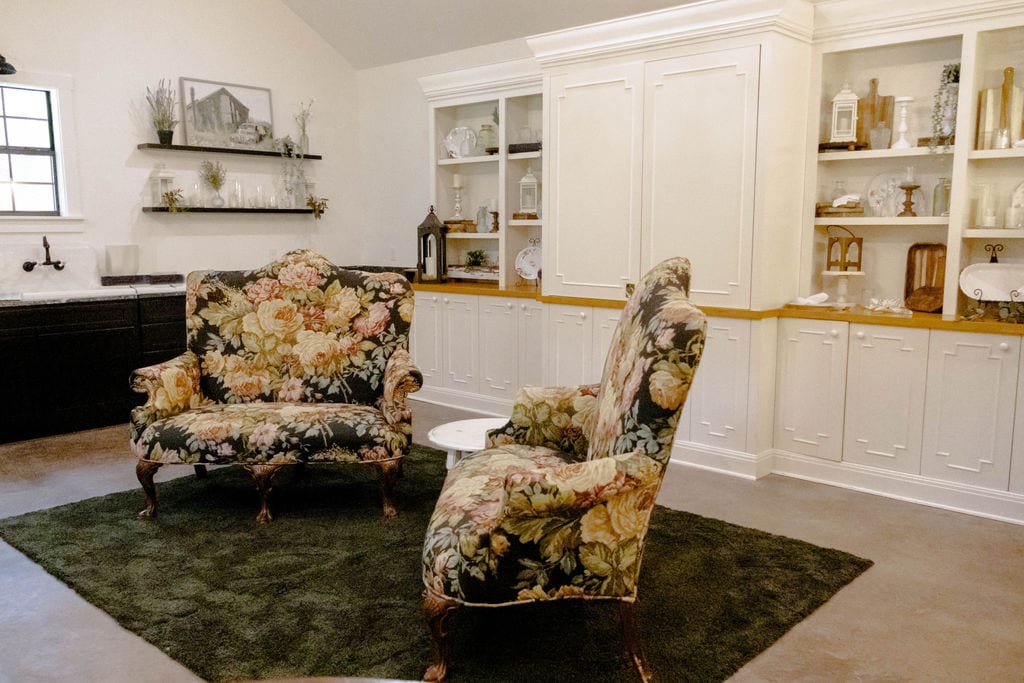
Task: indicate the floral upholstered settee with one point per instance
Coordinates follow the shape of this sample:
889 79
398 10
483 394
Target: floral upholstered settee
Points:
557 506
297 362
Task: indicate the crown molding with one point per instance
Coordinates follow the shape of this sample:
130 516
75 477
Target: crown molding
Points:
489 79
863 18
696 22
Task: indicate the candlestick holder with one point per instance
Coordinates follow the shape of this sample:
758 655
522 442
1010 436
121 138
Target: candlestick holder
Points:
908 203
902 142
457 201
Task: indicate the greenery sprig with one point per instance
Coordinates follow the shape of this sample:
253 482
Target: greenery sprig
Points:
213 174
944 105
319 205
171 199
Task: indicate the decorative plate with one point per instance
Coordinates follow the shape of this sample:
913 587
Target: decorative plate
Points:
528 263
460 142
1017 198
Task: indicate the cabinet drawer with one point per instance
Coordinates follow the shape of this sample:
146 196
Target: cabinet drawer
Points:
161 308
82 315
166 335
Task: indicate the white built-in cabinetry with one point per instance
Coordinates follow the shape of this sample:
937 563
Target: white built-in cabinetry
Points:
578 340
969 408
886 372
811 390
934 403
477 351
684 146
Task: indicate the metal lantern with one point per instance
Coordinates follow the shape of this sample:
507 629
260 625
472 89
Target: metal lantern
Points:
844 253
844 116
431 259
528 194
161 181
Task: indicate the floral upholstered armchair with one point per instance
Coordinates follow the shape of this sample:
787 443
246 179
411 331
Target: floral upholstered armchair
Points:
297 362
557 506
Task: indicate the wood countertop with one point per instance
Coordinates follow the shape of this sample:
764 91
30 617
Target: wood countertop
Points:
930 321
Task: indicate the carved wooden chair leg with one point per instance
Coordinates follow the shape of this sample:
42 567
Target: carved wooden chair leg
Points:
263 475
437 610
200 471
634 643
387 474
144 470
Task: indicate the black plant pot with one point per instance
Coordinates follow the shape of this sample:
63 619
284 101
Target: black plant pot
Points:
165 136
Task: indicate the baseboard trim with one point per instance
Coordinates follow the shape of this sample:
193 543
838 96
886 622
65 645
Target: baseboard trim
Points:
736 463
1000 505
463 401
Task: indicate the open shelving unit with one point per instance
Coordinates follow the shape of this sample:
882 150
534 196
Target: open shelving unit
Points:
510 92
912 67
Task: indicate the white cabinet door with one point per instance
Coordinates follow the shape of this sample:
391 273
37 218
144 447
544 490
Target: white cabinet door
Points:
426 339
592 168
606 320
499 359
885 393
811 387
717 403
1017 454
532 329
570 345
461 343
700 138
969 406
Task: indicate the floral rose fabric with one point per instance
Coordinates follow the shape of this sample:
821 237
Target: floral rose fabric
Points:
558 504
299 360
299 330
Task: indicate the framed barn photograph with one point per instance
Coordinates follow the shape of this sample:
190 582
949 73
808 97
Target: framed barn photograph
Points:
226 114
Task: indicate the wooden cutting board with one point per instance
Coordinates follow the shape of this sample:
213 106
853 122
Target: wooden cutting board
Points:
872 110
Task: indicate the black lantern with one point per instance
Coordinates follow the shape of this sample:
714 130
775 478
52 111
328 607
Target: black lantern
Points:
431 262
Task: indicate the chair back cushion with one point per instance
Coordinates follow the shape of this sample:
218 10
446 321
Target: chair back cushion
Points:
299 329
654 353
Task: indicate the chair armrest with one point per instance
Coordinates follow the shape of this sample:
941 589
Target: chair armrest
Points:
171 387
401 378
556 417
574 488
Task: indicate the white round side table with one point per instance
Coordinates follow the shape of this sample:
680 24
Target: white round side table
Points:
463 436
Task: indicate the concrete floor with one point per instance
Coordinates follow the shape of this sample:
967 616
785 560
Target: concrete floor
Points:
944 601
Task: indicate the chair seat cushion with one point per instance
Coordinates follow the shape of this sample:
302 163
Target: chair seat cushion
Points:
268 432
467 554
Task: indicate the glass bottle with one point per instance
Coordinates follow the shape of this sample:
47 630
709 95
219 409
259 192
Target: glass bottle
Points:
838 190
487 139
940 198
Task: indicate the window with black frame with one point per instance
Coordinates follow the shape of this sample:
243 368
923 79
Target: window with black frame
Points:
28 154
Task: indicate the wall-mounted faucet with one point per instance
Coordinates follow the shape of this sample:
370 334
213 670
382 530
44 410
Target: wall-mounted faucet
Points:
57 265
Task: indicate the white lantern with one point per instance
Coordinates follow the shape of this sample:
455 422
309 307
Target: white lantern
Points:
844 116
528 194
161 181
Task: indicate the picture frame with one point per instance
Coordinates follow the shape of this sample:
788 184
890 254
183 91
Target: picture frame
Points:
217 114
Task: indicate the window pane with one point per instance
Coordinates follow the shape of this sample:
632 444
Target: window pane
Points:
5 197
25 133
3 134
34 197
32 169
5 169
22 102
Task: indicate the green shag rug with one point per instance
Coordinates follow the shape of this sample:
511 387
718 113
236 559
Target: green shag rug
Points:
330 588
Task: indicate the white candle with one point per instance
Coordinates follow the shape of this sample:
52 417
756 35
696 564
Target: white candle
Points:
456 181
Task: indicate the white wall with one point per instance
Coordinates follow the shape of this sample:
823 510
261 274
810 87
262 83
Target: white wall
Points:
114 49
394 155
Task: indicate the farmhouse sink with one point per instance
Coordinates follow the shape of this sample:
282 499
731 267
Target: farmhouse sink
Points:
993 281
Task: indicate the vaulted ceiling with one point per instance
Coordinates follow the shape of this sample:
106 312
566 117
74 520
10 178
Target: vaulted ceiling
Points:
369 33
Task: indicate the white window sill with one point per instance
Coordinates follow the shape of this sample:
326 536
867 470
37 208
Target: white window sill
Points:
33 224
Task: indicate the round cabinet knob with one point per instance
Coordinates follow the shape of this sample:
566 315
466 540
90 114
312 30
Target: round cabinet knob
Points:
434 299
583 315
446 299
860 335
833 333
522 307
508 306
1003 346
